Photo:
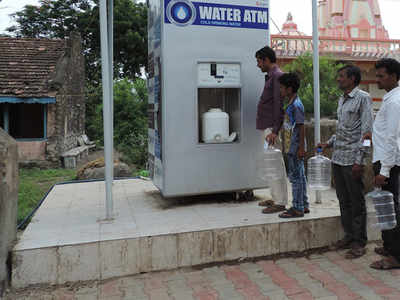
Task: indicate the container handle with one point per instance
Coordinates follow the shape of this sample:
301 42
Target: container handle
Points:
218 137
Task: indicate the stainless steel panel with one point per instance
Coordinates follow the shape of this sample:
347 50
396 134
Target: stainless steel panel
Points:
189 167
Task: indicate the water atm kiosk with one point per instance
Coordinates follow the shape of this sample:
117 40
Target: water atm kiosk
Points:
204 86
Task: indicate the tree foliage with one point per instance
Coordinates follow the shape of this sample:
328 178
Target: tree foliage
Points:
130 119
329 91
57 18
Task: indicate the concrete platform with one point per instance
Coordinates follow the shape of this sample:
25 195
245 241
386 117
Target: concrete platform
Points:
68 240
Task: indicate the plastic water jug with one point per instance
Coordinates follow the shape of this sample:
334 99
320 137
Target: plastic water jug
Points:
270 166
319 172
215 126
384 207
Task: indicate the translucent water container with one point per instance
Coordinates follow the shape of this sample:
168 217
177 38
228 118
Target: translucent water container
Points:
319 172
270 165
384 208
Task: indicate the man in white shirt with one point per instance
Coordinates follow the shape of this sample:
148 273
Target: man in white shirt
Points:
386 155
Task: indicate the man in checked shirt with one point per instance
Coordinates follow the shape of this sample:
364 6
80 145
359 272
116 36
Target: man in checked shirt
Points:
349 158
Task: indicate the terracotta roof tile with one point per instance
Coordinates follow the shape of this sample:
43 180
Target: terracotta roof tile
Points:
26 65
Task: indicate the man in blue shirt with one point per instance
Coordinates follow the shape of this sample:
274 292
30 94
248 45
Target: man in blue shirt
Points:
289 85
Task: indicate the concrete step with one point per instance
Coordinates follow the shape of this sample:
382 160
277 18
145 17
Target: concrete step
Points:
67 240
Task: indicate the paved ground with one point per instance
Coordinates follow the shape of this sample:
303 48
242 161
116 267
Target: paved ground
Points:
325 276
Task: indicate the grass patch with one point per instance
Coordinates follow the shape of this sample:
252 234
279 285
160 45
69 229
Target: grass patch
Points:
144 173
34 184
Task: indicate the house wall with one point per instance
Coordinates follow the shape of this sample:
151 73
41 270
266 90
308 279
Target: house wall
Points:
66 118
31 150
52 153
71 98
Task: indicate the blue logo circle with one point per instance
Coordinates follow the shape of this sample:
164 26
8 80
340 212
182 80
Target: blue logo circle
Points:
181 12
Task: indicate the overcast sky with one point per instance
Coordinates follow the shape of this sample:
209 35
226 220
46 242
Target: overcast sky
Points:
300 9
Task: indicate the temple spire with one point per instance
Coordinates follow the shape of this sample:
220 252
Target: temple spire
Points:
351 19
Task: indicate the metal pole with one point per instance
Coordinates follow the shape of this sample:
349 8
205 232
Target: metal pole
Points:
111 75
105 68
317 129
269 27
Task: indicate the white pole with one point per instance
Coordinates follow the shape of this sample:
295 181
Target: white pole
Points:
269 24
317 129
105 68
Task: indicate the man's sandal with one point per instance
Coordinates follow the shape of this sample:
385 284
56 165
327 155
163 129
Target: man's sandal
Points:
381 251
291 213
342 244
355 253
386 264
273 209
266 203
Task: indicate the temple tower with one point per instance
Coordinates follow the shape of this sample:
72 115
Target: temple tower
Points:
351 19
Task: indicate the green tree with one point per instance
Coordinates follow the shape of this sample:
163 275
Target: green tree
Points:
57 18
130 119
329 91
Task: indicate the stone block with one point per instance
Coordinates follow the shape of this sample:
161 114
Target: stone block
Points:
256 239
303 235
70 162
74 155
294 236
145 257
186 248
78 262
96 170
8 200
164 252
119 258
324 231
272 239
40 262
230 244
195 248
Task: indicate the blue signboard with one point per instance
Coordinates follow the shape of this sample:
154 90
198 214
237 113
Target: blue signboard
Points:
185 12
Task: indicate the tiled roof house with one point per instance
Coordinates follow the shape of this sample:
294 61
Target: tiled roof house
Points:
42 103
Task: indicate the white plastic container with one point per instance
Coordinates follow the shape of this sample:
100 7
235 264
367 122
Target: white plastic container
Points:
215 125
270 166
319 172
384 208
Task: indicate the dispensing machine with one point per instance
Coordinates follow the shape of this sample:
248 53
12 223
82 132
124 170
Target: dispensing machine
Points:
204 87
